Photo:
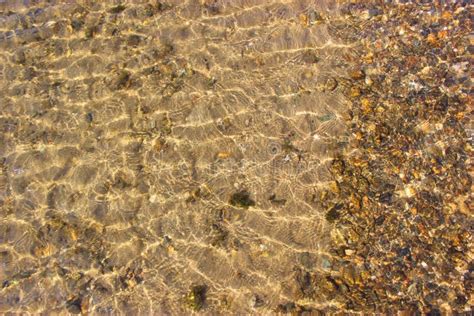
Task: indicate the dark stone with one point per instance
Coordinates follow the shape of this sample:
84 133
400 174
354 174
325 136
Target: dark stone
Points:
89 117
379 220
220 235
19 57
213 8
434 312
149 10
29 74
461 300
121 81
166 239
35 12
117 9
386 198
287 307
257 301
470 49
339 166
77 25
275 200
334 213
425 31
91 31
74 306
314 16
241 199
120 183
134 40
443 104
303 279
375 11
404 252
197 297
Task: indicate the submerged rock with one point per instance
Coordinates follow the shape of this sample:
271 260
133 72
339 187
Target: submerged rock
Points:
196 298
241 199
399 190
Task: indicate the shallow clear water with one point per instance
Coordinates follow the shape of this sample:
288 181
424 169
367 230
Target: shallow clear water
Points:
167 157
128 130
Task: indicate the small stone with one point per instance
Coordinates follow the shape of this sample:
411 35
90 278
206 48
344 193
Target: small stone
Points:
89 117
366 105
331 84
355 92
310 57
153 198
197 297
117 9
306 260
374 12
404 252
134 40
326 117
241 199
356 74
223 154
19 57
314 17
256 301
431 38
74 306
386 198
77 24
90 32
334 213
121 81
349 252
409 191
379 220
286 308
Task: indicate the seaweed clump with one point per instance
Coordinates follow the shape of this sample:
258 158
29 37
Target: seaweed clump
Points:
405 188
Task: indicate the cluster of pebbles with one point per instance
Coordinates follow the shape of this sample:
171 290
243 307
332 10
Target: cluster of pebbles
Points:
401 201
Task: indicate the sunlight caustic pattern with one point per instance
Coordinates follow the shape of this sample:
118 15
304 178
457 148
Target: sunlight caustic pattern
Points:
166 156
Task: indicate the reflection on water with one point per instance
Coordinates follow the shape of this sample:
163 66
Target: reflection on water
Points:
173 156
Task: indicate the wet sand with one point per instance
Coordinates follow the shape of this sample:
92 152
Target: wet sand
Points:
216 157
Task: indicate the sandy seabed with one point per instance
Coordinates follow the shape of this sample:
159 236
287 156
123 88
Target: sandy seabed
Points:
169 157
